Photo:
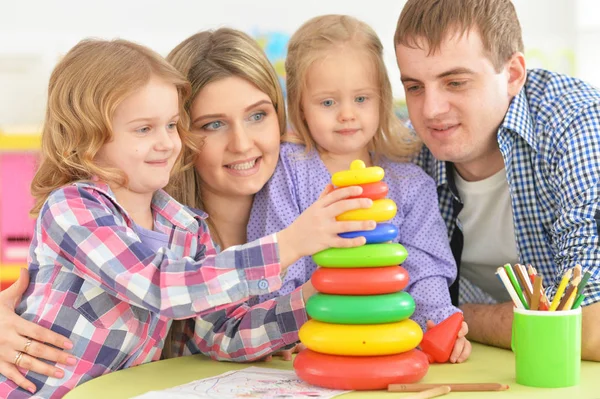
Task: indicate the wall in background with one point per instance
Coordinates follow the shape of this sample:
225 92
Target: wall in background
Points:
559 35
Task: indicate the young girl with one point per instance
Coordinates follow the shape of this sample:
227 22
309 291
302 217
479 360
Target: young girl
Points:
115 258
340 108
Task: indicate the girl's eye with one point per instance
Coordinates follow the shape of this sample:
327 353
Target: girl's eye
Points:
257 117
172 126
327 103
361 99
412 88
143 130
214 125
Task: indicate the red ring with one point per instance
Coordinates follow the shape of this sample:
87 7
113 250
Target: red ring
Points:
360 281
360 372
375 191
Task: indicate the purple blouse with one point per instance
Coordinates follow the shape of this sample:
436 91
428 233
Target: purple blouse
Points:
298 181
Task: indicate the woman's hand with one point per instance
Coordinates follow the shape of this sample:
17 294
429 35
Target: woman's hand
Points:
21 341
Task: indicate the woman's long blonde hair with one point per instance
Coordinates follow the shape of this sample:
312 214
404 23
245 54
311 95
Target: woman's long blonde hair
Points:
311 43
210 56
204 58
85 88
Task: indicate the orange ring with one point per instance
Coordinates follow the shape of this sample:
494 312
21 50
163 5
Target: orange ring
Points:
360 373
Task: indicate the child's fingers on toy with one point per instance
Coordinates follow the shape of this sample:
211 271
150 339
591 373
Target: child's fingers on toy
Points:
338 195
12 373
429 325
339 242
357 225
464 330
466 352
327 190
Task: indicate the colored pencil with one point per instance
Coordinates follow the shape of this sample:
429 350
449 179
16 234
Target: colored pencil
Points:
578 301
523 280
537 293
516 285
501 273
567 300
561 288
431 393
460 387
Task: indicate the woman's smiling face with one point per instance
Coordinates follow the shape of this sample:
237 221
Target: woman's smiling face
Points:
240 127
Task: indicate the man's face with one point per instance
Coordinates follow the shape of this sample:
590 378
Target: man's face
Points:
456 101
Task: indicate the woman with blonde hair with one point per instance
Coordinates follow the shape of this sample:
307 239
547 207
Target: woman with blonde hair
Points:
115 258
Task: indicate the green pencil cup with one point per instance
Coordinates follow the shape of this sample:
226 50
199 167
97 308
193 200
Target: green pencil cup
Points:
547 347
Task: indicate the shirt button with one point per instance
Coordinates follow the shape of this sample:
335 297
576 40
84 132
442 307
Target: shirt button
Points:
263 284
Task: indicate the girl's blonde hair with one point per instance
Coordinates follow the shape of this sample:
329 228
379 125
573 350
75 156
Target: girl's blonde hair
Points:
311 43
85 88
210 56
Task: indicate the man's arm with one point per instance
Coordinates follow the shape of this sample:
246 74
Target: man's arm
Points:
492 325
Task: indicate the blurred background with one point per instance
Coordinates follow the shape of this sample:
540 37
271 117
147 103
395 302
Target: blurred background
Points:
560 35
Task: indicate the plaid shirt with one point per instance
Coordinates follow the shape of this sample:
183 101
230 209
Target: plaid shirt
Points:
550 142
93 281
246 332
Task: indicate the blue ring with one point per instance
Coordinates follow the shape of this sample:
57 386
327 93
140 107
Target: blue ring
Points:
383 232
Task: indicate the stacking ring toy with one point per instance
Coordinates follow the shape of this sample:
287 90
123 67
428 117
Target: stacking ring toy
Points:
360 373
383 232
373 255
360 339
381 210
358 174
364 309
375 191
360 281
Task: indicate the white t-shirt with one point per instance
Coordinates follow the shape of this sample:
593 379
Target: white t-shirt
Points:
488 231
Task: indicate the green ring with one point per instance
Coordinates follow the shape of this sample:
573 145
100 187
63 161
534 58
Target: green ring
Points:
371 255
361 309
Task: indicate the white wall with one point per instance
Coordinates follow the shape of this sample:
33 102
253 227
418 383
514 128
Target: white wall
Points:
33 34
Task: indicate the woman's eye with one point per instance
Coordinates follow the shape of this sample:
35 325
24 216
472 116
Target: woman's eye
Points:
212 125
257 117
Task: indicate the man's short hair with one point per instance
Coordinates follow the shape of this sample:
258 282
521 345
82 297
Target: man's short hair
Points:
433 20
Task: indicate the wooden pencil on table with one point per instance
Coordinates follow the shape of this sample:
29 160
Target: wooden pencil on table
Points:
431 393
458 387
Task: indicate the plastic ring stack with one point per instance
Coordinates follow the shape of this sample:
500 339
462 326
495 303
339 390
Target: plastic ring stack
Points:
360 336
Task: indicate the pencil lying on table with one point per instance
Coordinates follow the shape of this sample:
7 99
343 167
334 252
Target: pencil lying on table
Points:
461 387
431 393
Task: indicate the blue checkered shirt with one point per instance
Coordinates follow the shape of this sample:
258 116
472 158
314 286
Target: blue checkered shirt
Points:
550 142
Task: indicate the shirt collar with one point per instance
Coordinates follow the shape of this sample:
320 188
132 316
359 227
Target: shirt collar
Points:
162 203
518 119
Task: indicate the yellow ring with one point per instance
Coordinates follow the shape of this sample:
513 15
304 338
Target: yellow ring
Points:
380 211
361 340
358 174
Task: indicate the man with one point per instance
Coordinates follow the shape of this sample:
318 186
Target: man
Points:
515 154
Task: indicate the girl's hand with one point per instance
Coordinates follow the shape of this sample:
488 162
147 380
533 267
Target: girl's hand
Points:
21 336
462 346
287 353
317 229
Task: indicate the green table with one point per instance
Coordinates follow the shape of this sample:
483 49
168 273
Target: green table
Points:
486 364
